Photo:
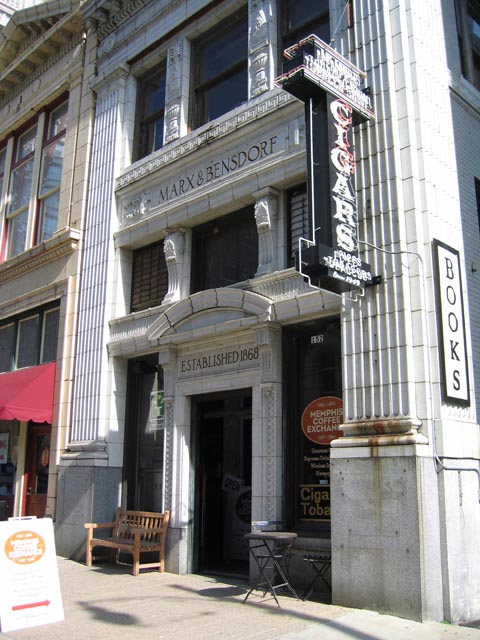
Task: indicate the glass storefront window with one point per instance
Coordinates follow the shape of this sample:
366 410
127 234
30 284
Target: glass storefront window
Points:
9 435
314 413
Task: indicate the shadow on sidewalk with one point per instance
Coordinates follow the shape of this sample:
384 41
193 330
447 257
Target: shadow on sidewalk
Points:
234 591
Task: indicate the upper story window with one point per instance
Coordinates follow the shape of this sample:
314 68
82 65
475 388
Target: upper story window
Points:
224 251
220 81
29 340
301 18
149 277
468 27
30 177
151 112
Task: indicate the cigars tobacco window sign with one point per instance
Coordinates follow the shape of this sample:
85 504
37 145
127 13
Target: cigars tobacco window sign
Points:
321 420
330 87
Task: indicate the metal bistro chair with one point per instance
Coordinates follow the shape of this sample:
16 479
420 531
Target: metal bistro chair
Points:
320 563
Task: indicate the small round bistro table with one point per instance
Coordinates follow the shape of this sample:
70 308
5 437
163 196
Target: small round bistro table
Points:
270 551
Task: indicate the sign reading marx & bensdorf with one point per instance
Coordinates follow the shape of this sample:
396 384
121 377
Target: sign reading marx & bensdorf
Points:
314 72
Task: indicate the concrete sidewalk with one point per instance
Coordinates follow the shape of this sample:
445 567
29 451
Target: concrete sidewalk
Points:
107 602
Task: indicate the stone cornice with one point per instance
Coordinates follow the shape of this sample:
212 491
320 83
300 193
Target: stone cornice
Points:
24 61
177 150
62 244
105 16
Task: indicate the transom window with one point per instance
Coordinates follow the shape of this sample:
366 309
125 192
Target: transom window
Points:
29 340
30 178
220 78
224 251
468 26
151 110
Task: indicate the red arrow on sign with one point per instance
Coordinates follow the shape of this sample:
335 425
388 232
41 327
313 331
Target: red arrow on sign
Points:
31 605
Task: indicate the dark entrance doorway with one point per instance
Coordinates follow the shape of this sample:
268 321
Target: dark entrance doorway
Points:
36 468
144 436
222 449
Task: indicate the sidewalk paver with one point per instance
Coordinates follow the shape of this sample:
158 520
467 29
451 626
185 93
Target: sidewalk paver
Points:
108 603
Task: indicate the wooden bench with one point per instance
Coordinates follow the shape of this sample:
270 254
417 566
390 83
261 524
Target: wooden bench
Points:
135 532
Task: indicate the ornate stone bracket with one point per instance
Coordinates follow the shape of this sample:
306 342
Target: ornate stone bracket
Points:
174 247
266 208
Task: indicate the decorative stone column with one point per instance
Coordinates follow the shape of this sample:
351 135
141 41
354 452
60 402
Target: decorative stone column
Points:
90 469
266 208
173 247
90 428
262 45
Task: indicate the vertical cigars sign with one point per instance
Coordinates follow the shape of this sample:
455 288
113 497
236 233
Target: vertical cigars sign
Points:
29 586
330 87
451 325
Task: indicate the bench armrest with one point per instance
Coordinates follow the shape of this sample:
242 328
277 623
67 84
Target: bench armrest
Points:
101 525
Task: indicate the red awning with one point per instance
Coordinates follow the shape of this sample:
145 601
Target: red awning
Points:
27 394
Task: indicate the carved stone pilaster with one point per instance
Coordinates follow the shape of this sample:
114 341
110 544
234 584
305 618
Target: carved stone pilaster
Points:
262 37
91 415
173 102
266 208
168 361
268 341
269 447
174 247
168 457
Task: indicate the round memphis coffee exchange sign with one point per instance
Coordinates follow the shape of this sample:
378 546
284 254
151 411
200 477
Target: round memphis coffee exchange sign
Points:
24 547
322 418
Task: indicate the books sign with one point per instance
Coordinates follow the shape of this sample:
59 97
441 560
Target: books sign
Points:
451 326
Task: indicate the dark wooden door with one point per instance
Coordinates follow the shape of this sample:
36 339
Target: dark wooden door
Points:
36 468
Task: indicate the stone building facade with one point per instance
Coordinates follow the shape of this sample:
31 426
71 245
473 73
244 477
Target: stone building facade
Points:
46 115
214 378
